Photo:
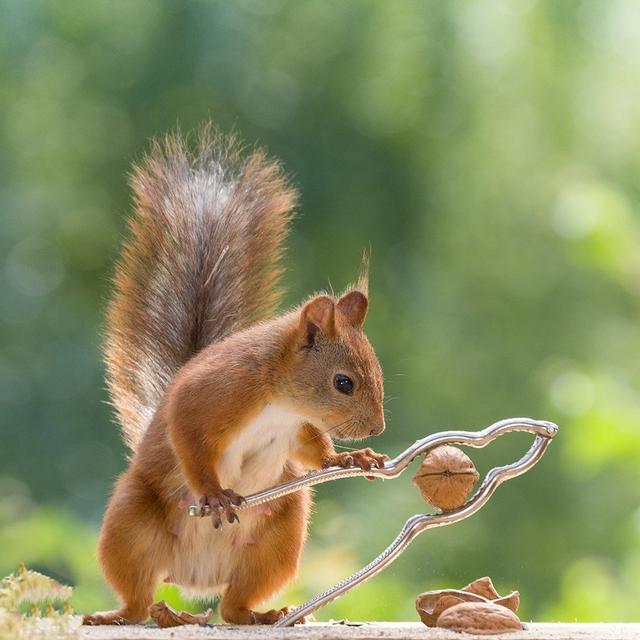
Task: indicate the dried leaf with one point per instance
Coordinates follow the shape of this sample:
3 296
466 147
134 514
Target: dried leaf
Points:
164 616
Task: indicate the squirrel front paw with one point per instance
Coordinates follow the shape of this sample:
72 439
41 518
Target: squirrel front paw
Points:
364 458
219 503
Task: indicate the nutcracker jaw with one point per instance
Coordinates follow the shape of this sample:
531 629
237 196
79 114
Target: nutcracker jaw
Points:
543 431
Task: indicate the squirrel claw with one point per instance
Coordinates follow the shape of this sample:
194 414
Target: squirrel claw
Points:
235 499
366 459
219 503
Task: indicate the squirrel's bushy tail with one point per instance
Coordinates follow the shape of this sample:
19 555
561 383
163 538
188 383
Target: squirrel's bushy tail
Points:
202 260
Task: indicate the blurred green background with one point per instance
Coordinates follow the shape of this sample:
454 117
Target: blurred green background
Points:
487 152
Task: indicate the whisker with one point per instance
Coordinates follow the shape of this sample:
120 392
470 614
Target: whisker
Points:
351 435
337 426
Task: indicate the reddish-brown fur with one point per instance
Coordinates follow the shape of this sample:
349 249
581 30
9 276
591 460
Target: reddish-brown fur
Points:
191 373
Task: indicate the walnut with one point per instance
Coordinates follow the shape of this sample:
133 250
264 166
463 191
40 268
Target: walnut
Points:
445 477
480 618
432 604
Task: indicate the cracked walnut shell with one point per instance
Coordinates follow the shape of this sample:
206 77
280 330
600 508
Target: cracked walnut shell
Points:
445 477
481 618
431 604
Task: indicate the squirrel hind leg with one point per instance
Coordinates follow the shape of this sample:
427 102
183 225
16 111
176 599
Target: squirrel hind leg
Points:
133 550
266 566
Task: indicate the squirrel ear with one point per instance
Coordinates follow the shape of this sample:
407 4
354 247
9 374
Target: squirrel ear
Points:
353 306
317 316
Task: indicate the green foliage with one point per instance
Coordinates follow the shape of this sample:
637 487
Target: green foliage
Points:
486 152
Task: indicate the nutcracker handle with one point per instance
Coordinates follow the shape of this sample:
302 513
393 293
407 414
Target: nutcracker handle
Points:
393 468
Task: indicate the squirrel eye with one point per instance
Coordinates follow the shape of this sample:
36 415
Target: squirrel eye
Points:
343 383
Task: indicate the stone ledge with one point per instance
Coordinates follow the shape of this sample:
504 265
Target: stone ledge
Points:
365 631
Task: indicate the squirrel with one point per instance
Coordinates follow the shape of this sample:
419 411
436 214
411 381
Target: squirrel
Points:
217 397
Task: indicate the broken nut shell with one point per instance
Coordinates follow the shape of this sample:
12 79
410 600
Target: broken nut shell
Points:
482 618
483 587
431 604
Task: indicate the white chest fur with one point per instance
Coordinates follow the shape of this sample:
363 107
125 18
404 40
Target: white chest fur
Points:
256 456
205 558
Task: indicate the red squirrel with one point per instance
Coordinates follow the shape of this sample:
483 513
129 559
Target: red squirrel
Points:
217 398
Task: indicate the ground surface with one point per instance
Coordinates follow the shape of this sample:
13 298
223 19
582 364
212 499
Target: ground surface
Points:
372 631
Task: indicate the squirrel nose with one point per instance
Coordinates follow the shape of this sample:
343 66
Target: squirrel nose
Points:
377 430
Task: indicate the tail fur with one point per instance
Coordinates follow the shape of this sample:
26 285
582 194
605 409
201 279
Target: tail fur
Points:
202 261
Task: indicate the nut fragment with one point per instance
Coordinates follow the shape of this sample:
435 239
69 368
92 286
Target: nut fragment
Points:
483 587
164 616
482 618
431 604
445 477
512 601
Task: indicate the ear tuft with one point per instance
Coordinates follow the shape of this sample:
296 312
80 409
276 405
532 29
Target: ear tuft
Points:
362 283
353 306
317 316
